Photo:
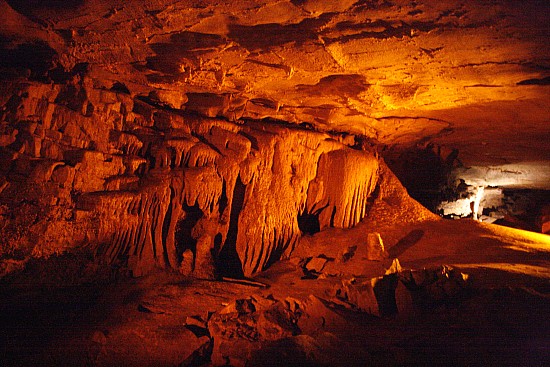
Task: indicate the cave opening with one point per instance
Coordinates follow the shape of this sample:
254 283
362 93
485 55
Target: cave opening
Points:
424 171
184 239
309 223
228 263
516 207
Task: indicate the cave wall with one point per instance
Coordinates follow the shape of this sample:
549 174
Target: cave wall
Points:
145 186
102 146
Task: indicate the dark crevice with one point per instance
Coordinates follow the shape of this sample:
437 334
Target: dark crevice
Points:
224 201
120 88
198 101
280 245
309 222
228 263
384 290
27 7
153 101
372 198
37 57
253 140
72 97
275 35
203 140
404 30
59 75
332 216
218 241
184 231
166 227
542 81
424 171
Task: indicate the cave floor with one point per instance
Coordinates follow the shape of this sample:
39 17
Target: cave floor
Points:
502 317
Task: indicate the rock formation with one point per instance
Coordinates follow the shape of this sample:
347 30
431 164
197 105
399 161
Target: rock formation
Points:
142 184
146 129
233 182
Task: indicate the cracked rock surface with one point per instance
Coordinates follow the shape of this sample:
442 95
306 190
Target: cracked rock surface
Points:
396 71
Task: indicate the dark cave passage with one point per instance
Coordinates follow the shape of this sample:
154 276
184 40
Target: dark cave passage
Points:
184 238
228 263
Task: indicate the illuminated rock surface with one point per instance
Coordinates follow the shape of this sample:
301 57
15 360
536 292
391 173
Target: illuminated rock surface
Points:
400 72
189 142
144 189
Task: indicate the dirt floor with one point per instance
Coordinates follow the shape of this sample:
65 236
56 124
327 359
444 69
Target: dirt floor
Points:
489 305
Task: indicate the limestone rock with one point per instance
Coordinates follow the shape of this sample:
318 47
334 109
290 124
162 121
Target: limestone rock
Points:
186 265
426 70
317 317
249 328
316 264
375 247
432 288
177 183
359 295
124 130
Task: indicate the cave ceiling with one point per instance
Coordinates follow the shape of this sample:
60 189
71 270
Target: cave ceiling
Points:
467 75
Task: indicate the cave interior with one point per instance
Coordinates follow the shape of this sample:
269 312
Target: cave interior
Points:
274 183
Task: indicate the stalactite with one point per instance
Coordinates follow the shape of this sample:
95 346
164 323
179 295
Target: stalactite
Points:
182 147
334 192
201 155
250 181
202 186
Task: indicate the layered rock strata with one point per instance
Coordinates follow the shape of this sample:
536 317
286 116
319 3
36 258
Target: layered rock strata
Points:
147 186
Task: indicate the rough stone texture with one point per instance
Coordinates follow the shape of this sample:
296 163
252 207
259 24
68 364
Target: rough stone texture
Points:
142 185
148 128
462 74
53 315
216 137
